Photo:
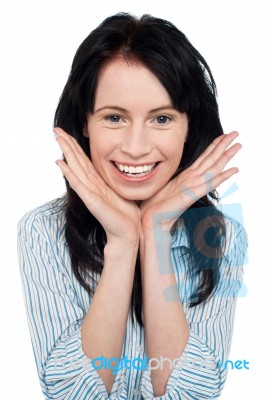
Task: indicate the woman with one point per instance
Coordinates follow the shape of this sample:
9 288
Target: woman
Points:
135 262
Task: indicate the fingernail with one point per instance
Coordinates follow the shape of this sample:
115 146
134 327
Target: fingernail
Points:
55 130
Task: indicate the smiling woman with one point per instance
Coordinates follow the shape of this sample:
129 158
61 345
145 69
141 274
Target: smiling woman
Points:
119 267
141 136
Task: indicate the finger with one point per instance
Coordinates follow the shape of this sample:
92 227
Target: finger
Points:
217 167
75 147
72 160
210 183
215 181
87 195
70 139
217 147
217 152
77 162
96 203
208 150
220 164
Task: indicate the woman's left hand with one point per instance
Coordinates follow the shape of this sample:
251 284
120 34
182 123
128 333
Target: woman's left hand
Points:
203 176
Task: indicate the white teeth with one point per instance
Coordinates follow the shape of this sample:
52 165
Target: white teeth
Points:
135 170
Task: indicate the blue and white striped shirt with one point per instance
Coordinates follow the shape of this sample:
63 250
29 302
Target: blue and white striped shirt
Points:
56 304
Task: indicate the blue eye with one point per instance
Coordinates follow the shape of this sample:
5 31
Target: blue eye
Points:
113 118
162 119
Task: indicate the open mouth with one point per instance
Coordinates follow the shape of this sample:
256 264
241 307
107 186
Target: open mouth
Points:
139 171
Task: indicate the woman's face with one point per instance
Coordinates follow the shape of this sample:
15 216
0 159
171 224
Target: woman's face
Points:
136 137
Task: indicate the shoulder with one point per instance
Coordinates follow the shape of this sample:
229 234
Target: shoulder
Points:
47 220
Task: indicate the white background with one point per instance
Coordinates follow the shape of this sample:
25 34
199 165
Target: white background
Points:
38 40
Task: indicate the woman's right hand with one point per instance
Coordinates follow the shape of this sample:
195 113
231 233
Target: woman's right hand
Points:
120 218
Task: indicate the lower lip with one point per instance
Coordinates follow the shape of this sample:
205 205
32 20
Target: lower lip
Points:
137 179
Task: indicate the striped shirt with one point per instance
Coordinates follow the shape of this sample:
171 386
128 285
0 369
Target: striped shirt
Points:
56 304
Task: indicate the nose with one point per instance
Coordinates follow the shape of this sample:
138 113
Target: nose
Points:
136 143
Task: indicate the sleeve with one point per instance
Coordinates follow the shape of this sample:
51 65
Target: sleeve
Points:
200 372
54 318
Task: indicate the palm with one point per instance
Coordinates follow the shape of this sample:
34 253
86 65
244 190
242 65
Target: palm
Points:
203 176
119 217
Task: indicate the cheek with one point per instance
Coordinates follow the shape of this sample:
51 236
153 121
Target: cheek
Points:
97 148
175 153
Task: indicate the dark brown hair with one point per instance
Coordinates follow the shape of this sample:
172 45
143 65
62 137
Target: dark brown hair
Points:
186 76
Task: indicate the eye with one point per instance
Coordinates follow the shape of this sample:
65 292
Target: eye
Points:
113 118
163 119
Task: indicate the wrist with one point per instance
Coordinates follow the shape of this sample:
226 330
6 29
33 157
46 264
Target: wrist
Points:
155 235
122 250
155 224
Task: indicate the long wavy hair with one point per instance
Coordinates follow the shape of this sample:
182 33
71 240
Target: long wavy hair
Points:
184 73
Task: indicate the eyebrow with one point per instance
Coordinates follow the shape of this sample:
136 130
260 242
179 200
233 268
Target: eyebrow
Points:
121 109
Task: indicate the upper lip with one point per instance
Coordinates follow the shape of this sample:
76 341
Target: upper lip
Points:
134 164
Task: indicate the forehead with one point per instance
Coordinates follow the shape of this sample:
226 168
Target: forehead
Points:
130 84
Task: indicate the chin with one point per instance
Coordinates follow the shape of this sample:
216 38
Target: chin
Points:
140 197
